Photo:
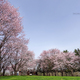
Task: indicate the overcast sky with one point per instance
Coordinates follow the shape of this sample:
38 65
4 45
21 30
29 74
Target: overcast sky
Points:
50 24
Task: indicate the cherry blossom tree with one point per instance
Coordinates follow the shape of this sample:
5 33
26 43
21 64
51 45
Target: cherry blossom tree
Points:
30 64
29 61
10 27
71 62
47 58
19 50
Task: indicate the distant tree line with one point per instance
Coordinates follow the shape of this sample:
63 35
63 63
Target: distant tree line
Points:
54 60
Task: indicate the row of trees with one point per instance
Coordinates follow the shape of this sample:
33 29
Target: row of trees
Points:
14 53
54 60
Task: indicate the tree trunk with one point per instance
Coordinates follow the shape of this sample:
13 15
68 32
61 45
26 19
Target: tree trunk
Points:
55 73
4 71
52 73
15 73
62 73
66 73
72 73
47 73
0 66
43 73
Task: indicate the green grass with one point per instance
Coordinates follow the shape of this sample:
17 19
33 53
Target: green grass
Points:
38 78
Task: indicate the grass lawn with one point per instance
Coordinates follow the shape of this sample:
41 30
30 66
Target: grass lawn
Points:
38 78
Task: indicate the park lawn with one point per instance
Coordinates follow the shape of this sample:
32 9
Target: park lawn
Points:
38 78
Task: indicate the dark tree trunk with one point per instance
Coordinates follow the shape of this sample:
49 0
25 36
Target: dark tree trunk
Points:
15 73
66 73
49 73
52 73
62 73
43 73
55 73
4 72
0 66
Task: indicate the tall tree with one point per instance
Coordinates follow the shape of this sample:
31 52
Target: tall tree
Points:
47 58
10 27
